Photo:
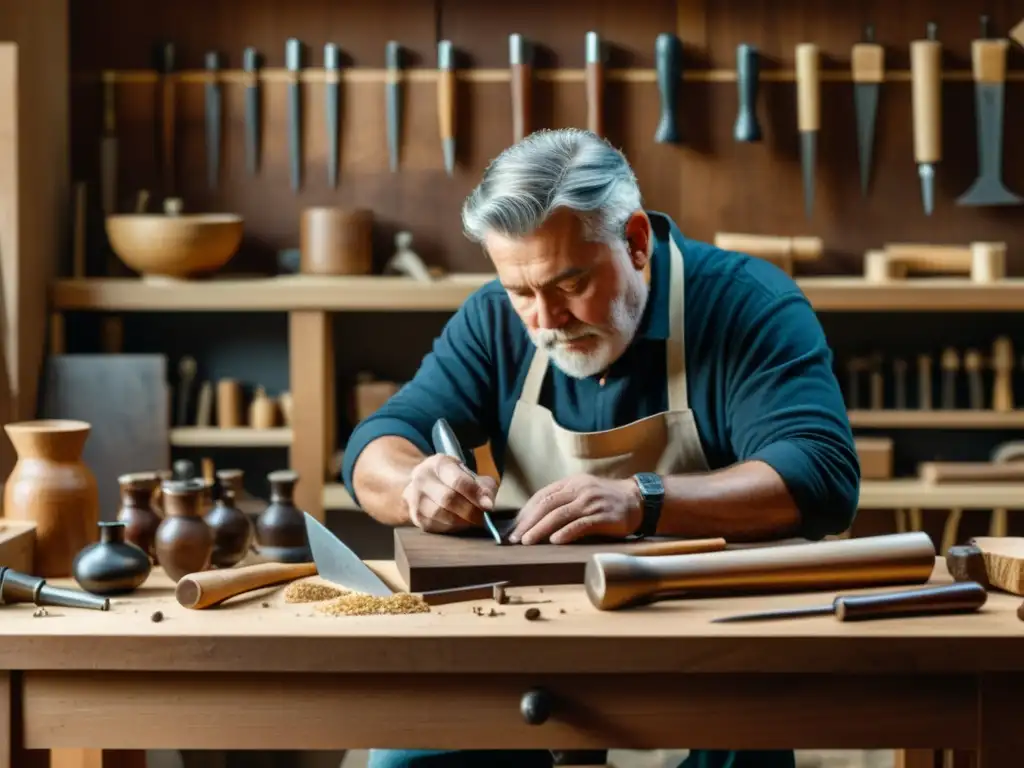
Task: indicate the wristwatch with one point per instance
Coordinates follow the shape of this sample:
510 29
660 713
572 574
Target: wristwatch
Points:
652 491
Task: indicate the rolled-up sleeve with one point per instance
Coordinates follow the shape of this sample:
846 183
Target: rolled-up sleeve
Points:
453 381
785 408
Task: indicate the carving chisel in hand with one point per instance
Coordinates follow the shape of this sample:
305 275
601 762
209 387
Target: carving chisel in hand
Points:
446 102
213 118
332 66
108 149
166 126
808 87
868 65
445 442
668 58
960 597
748 76
988 64
393 99
926 93
251 65
293 62
520 59
595 84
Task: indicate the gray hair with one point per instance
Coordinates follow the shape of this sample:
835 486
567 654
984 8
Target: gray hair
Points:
548 170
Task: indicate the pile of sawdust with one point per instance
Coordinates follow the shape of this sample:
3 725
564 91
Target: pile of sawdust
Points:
310 592
361 604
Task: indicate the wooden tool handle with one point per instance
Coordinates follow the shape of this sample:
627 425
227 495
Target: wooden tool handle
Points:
595 85
921 257
446 102
202 590
768 246
961 597
682 547
867 62
926 95
988 60
616 580
808 87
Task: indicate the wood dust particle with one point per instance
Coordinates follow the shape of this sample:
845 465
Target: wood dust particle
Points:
38 612
310 592
532 614
157 616
359 604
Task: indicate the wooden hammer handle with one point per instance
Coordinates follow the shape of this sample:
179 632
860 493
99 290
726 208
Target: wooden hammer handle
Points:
681 547
207 588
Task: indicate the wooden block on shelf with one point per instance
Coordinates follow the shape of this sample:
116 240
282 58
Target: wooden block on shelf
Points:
875 455
17 544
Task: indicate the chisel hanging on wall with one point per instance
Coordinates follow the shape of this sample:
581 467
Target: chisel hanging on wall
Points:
251 66
926 95
446 102
595 84
808 87
868 70
520 59
293 63
393 99
214 113
748 76
668 58
332 87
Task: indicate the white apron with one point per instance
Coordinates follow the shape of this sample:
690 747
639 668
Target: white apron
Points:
540 451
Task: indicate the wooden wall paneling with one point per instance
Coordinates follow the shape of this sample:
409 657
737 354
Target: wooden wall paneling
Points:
311 380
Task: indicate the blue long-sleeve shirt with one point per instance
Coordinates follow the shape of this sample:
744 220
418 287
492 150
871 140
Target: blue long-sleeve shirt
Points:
759 374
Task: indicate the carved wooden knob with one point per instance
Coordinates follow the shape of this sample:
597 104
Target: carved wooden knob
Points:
535 706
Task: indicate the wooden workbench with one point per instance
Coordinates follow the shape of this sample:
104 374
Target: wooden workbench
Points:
259 673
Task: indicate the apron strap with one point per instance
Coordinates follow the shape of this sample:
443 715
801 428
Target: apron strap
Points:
675 347
534 377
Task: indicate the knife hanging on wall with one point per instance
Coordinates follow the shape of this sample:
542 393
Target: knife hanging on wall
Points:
251 65
595 83
668 58
868 65
748 78
332 87
293 62
520 59
393 99
446 102
214 113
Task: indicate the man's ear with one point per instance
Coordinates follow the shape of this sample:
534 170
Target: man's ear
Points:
639 239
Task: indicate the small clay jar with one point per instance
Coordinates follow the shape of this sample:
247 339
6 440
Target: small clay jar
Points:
230 479
232 530
111 566
136 511
281 527
184 542
157 502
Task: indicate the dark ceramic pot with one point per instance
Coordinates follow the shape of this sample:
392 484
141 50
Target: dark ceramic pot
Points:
184 542
136 512
232 531
281 527
111 566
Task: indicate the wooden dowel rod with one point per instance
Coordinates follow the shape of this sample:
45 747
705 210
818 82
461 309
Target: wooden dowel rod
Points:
370 75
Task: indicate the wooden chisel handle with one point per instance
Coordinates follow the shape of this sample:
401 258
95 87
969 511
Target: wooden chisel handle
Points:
766 246
446 89
808 87
595 84
867 62
926 95
616 580
521 63
961 597
682 547
208 588
988 60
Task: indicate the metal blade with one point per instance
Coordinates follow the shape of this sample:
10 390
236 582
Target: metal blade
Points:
294 134
782 613
392 56
339 564
332 133
865 98
213 123
808 151
448 148
927 173
252 129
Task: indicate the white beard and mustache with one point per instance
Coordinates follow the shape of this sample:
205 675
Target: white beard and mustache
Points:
613 339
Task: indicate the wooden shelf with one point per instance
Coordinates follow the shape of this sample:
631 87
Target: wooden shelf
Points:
937 419
336 496
912 493
397 294
243 437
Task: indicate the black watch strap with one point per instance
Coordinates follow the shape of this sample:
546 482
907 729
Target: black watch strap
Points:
652 491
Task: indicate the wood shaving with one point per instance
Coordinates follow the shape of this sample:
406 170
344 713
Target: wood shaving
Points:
39 612
310 592
360 604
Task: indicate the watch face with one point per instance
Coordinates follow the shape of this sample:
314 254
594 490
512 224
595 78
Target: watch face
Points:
650 484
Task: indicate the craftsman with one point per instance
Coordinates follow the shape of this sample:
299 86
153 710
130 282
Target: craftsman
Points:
621 394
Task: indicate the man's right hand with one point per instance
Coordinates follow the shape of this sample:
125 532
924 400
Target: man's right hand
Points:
444 496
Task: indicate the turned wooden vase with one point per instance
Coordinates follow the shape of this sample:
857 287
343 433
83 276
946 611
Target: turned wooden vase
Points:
137 513
281 527
51 486
184 542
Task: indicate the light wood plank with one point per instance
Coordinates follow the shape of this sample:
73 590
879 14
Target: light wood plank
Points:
913 493
242 437
936 419
311 382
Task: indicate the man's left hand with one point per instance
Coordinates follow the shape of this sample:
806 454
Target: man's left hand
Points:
582 505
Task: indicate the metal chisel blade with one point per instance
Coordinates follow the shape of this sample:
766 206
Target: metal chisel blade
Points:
865 97
213 120
784 613
293 55
252 112
332 62
808 152
392 96
927 173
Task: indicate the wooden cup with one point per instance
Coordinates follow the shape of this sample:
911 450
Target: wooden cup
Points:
229 404
335 241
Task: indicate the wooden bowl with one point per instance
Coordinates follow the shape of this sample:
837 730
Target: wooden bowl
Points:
177 246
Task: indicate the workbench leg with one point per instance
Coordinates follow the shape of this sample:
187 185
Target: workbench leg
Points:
918 758
311 383
97 758
1000 735
12 754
